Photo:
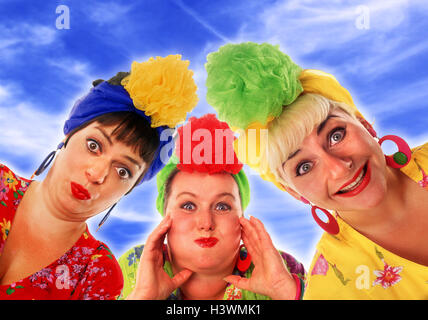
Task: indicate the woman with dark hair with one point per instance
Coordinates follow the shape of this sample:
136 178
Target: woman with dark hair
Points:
114 140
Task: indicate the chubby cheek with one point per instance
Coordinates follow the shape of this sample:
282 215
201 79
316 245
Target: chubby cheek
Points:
311 189
181 233
229 231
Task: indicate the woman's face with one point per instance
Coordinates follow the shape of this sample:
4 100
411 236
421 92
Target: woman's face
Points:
338 166
92 172
205 231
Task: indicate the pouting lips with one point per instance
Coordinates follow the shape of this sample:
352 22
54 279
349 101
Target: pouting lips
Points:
356 183
206 242
79 191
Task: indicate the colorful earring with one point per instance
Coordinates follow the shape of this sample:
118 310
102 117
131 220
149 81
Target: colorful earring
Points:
106 216
402 157
243 264
399 159
331 226
368 127
47 161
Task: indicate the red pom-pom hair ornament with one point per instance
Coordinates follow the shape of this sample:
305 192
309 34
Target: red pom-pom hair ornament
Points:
206 145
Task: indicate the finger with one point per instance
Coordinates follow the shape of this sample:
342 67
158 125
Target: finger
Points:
239 282
254 254
157 237
248 243
264 236
249 228
181 278
250 235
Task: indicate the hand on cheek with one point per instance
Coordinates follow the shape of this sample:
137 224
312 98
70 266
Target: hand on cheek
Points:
270 275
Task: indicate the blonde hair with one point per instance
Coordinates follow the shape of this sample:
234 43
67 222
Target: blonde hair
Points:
287 132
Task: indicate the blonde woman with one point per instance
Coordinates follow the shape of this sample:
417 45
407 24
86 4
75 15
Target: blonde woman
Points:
322 151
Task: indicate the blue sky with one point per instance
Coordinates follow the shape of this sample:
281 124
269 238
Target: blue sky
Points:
376 49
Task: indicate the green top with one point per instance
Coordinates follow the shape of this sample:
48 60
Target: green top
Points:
130 260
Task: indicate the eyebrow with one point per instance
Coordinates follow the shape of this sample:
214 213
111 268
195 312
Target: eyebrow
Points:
105 135
111 143
319 129
226 194
194 195
184 193
133 161
322 124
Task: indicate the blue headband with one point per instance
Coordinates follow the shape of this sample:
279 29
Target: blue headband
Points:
107 98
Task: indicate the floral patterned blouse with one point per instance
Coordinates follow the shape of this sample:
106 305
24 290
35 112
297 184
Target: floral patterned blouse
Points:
87 271
351 266
130 260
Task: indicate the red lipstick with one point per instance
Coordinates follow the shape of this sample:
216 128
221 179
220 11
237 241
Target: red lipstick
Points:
206 242
364 182
79 192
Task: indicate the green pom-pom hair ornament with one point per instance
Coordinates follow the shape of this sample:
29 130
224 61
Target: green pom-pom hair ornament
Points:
250 83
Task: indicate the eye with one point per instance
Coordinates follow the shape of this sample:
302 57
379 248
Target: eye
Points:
221 206
123 173
303 168
336 135
93 145
189 206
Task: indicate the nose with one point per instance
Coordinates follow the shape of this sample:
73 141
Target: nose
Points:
205 220
338 166
97 171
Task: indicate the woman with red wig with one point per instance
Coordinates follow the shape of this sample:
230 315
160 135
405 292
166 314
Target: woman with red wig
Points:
202 195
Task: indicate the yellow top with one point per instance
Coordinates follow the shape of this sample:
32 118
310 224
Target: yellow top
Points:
351 266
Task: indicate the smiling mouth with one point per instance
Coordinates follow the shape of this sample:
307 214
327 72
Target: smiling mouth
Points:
357 184
206 242
79 192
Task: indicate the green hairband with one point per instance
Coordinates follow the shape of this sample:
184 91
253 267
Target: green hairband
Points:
163 175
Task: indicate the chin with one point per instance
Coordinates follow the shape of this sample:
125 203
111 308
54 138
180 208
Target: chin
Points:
370 199
205 261
207 264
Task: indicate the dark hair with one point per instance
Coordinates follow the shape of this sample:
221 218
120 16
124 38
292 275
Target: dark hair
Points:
134 131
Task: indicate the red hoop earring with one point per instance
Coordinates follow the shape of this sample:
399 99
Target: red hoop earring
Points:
368 127
402 157
331 226
244 264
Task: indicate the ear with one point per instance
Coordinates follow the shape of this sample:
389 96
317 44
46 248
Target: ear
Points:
368 126
293 193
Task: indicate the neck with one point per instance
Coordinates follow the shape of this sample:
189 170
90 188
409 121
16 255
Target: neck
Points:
390 213
205 285
42 216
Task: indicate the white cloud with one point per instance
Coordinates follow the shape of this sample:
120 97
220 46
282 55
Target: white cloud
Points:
200 20
131 215
28 131
395 101
72 68
4 92
22 36
104 13
306 27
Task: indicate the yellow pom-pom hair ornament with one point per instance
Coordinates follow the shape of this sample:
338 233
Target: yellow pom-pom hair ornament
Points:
250 85
163 88
160 90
